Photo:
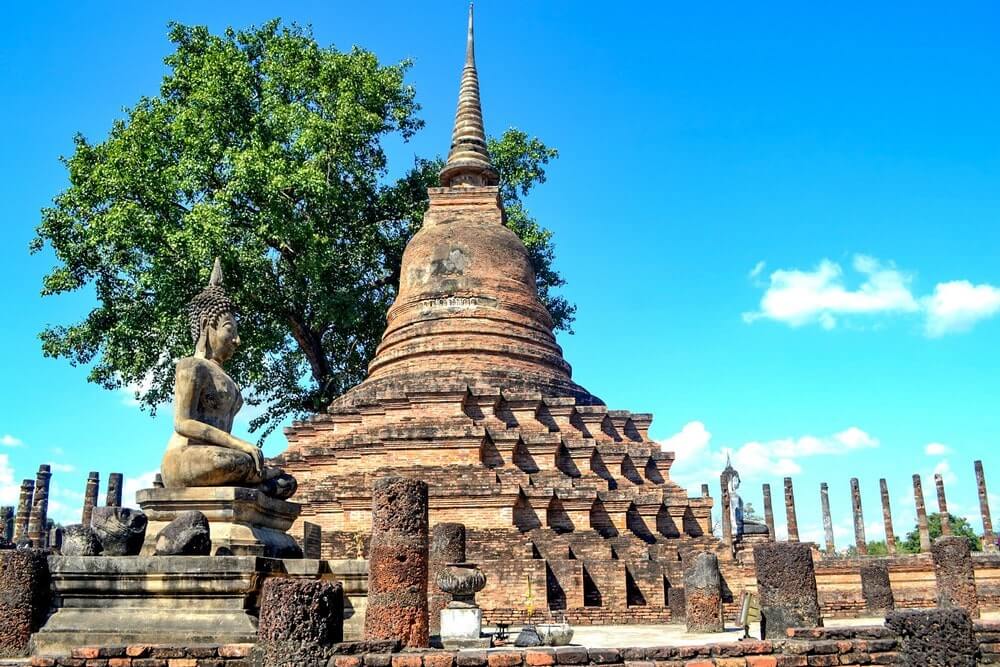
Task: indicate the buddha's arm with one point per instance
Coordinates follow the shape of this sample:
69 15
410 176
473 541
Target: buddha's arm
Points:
185 395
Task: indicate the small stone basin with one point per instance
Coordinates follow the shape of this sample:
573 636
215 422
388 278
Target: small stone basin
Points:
554 634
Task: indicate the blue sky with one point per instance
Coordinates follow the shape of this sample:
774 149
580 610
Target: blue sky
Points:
779 222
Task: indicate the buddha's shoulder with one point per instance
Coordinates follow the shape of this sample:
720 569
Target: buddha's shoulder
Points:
194 365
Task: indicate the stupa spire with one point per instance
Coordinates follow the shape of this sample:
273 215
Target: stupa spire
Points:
469 159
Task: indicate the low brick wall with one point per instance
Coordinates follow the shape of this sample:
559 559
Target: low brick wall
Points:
804 647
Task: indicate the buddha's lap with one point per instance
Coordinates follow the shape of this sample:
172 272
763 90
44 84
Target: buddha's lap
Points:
207 465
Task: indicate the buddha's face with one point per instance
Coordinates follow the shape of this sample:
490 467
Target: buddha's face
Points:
223 338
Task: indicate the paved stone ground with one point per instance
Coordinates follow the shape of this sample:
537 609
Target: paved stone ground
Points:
674 634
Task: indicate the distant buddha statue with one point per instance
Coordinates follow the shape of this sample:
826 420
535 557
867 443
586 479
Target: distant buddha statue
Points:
202 452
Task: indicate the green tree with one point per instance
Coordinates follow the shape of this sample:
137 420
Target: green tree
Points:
266 149
875 548
959 526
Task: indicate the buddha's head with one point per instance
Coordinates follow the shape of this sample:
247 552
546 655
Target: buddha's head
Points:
212 320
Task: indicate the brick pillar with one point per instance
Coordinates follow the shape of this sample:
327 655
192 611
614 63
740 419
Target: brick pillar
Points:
114 497
793 524
705 494
768 512
875 588
989 541
704 491
824 501
24 598
7 523
447 546
890 535
24 509
38 531
860 543
786 584
918 499
953 572
90 497
703 593
942 505
727 519
397 576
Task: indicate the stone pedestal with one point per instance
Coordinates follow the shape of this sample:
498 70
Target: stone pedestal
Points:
243 522
183 600
954 574
461 627
786 584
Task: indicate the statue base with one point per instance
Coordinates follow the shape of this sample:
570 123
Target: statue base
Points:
242 521
183 600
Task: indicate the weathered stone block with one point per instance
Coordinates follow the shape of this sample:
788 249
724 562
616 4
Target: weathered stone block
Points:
24 598
121 530
398 568
934 637
875 588
80 540
302 611
703 593
187 535
786 584
954 574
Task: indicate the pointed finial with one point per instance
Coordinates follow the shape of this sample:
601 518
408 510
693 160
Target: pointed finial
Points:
216 279
469 159
470 45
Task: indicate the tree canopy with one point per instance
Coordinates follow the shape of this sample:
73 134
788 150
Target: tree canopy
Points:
266 149
959 526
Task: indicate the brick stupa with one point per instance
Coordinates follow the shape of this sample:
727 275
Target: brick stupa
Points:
568 505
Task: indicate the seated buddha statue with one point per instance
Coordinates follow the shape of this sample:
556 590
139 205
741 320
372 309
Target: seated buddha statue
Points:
202 450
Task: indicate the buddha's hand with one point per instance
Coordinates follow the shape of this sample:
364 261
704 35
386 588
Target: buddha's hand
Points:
258 458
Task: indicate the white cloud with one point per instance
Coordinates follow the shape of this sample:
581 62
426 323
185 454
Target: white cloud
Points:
822 297
758 269
9 491
689 442
936 449
134 484
697 461
61 467
134 390
7 440
943 468
956 306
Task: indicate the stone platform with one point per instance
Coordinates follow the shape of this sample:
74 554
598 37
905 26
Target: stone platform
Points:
185 600
243 522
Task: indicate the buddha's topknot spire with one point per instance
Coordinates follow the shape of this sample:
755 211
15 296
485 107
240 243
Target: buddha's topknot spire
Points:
469 160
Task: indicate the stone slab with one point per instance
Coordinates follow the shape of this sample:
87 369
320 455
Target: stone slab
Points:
153 600
243 522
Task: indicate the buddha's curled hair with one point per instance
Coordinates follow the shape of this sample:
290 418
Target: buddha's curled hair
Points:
210 303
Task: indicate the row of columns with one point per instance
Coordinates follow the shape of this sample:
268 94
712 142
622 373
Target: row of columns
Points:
858 514
31 522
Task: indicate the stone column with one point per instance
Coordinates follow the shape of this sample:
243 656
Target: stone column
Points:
824 501
703 593
447 546
706 494
942 505
727 519
860 543
954 574
38 525
704 491
875 588
786 584
114 497
918 499
24 598
793 524
90 497
24 510
397 575
890 535
768 513
7 523
989 541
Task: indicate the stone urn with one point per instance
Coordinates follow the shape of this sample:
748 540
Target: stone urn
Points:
461 581
554 634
